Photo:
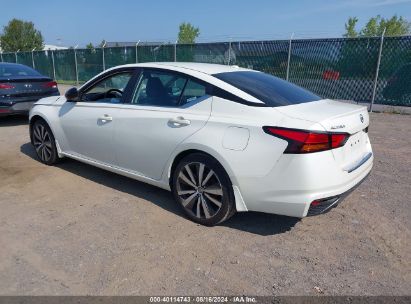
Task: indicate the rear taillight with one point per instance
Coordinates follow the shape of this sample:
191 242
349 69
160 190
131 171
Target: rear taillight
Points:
6 86
50 84
302 141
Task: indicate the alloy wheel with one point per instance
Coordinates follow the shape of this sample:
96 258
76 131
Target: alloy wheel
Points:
42 142
200 190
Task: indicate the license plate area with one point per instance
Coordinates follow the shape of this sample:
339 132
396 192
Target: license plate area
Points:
356 143
354 149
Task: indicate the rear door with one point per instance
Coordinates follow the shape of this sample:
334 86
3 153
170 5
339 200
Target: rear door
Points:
88 124
165 108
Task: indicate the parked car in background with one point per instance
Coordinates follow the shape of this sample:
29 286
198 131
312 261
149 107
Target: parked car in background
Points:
21 86
398 88
221 138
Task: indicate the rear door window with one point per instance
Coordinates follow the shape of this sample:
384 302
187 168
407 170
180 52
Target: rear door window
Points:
273 91
167 89
192 91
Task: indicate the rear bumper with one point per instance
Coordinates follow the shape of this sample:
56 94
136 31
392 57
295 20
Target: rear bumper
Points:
20 105
295 182
328 203
17 108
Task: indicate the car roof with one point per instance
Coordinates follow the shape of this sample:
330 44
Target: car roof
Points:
206 68
204 71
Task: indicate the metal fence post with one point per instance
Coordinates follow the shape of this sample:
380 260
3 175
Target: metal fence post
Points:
54 66
287 75
32 58
1 56
137 51
229 52
374 91
175 51
15 54
75 64
104 60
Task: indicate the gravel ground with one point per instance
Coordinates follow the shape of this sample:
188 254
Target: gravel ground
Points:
78 230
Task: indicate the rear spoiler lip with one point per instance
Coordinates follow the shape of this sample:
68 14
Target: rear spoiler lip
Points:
29 79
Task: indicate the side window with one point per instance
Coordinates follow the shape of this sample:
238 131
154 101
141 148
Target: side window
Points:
192 91
108 90
159 88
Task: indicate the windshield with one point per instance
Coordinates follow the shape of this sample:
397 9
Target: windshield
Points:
273 91
16 70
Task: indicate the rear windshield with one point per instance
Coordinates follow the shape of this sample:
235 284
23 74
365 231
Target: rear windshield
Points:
16 70
273 91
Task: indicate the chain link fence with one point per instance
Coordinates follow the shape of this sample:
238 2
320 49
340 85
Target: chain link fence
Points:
340 68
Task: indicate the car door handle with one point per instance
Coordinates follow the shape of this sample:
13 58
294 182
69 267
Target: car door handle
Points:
179 121
105 118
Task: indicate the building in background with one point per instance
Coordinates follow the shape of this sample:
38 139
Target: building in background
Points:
51 47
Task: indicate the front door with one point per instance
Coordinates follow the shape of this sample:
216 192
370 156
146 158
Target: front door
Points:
88 124
164 110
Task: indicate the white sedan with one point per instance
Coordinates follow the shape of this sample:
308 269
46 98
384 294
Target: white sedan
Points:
221 138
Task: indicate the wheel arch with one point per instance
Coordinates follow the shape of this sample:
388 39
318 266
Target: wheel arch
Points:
237 197
181 154
32 121
36 117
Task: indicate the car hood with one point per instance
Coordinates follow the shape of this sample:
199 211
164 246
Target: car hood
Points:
48 100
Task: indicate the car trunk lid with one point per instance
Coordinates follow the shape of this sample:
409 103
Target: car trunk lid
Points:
334 116
338 117
33 86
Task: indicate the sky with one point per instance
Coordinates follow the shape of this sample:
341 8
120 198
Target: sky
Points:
73 22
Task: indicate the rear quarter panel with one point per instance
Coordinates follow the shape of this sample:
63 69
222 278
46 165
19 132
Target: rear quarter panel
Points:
254 159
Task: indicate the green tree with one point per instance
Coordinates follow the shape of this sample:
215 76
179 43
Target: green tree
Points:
188 33
350 31
371 28
90 46
21 35
393 26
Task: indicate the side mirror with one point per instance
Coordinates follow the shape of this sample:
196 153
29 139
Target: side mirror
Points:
72 95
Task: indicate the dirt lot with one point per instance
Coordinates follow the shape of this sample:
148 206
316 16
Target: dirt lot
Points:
76 230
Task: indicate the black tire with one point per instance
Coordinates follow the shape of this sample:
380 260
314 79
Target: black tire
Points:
203 195
44 142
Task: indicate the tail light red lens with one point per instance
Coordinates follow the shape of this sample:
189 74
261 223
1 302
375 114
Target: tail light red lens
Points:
331 75
6 86
50 84
302 141
315 203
